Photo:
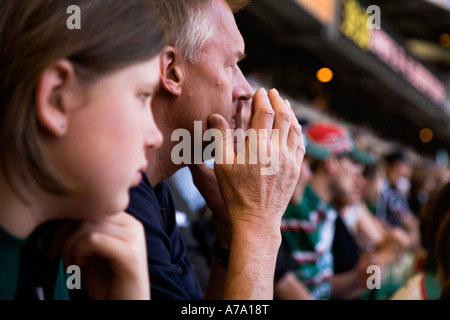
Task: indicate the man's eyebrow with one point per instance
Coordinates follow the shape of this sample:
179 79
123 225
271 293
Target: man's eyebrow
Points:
241 56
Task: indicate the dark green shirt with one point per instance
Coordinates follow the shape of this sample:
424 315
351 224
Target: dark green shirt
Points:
10 248
26 272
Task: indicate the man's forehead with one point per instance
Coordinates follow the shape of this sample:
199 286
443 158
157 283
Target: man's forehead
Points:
227 42
223 21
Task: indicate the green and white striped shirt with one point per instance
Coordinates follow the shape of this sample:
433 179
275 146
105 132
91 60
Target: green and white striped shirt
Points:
308 230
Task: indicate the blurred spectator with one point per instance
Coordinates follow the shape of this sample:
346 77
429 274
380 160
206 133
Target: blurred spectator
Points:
350 262
359 239
287 285
423 181
392 205
374 176
424 285
313 151
442 175
308 228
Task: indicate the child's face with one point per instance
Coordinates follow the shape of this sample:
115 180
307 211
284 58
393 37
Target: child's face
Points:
104 150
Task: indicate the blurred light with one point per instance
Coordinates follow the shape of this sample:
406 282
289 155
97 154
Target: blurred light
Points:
444 40
324 75
426 135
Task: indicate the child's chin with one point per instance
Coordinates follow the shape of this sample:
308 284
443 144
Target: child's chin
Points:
119 204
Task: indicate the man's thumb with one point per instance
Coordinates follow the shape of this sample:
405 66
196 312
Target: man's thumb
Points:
201 172
214 121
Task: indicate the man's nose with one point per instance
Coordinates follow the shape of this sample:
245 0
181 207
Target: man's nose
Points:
242 89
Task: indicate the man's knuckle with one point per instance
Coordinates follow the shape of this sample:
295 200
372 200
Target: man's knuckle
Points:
94 238
284 116
297 129
268 114
302 149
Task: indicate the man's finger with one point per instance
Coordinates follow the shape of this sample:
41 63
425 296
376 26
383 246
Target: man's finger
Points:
283 115
264 115
224 148
295 136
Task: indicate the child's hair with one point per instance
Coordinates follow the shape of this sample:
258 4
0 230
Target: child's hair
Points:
442 245
33 34
432 215
443 256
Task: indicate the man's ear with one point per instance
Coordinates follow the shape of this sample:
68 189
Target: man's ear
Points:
171 74
53 97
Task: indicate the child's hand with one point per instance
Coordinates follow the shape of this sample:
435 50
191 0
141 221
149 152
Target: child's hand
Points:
111 254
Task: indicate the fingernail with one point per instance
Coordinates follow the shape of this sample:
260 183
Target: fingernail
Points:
213 121
276 91
263 91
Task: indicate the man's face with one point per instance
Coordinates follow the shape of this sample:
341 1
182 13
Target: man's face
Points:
346 181
373 186
404 169
360 182
216 84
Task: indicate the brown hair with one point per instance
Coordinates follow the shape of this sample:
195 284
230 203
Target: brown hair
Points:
33 34
443 255
431 216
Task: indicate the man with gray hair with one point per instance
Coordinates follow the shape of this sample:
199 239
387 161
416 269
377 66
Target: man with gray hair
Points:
202 83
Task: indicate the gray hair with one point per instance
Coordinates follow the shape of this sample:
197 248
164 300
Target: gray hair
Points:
187 24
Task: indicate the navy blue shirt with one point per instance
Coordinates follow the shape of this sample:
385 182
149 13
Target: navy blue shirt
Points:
171 273
346 251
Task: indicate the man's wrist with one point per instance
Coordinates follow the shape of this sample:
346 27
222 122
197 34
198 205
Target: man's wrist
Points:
221 254
222 229
266 238
253 224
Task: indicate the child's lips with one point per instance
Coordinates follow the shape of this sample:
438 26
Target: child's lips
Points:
138 178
